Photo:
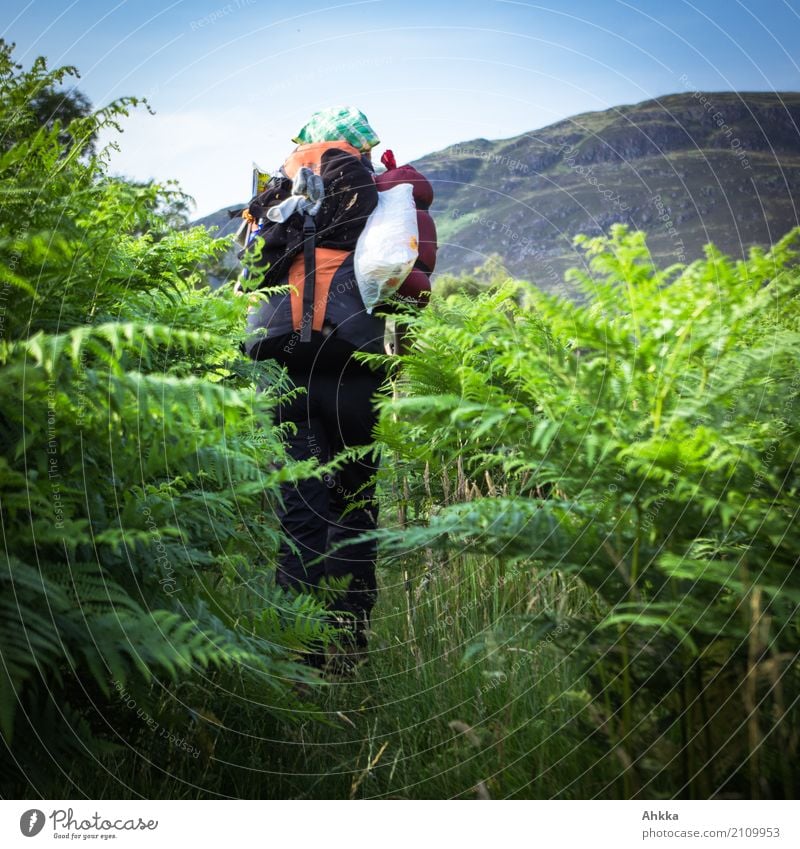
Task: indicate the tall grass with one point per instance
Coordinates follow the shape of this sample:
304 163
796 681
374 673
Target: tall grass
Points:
423 719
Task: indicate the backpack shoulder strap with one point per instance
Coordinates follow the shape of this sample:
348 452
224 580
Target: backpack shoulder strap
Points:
310 272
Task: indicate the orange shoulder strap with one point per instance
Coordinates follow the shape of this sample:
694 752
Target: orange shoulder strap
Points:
328 261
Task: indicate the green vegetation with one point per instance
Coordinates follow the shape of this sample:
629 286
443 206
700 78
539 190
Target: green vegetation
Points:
643 445
138 465
588 537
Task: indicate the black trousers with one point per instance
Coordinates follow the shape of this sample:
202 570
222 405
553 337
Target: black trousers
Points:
335 412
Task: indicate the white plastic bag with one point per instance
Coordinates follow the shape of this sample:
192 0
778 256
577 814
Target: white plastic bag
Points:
388 245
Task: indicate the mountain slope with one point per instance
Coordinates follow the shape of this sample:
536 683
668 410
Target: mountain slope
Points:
687 168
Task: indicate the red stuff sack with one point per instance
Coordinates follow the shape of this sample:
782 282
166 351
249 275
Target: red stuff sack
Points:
423 191
427 241
416 288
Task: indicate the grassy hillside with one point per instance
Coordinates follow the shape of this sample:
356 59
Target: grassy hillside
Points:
687 169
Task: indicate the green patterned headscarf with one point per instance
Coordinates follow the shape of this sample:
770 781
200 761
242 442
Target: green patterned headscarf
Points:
339 122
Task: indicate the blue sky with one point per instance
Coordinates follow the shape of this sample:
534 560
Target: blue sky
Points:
232 82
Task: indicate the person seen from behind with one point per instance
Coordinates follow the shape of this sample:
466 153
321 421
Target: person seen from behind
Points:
309 219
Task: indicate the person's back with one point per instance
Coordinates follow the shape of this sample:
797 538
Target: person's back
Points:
314 330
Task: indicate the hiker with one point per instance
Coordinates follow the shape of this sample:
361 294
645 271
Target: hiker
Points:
310 217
